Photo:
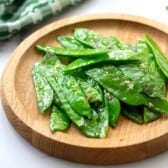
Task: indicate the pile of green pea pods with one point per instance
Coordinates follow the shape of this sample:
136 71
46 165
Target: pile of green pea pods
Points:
103 79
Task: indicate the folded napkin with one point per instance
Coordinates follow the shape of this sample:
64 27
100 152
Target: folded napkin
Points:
16 15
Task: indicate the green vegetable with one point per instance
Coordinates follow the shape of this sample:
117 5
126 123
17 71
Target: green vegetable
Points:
106 79
158 104
118 84
114 110
58 120
44 92
133 113
48 70
91 128
104 117
161 59
98 127
74 94
115 56
95 40
72 52
70 42
75 118
92 95
145 72
150 115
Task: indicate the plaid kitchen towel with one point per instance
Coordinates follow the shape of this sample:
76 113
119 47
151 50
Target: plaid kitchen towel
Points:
16 15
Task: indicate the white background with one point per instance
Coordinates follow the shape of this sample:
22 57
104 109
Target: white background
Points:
15 152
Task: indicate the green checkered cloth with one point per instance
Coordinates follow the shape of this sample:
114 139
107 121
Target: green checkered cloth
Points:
16 15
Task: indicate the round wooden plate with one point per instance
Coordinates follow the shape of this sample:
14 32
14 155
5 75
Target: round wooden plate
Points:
127 142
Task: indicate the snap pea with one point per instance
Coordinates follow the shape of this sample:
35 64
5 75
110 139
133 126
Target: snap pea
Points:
158 79
76 53
58 120
150 115
48 71
115 56
92 95
133 113
155 81
114 109
104 117
112 79
44 92
145 72
161 59
95 40
94 84
74 94
91 128
151 81
98 127
75 118
104 120
71 88
158 104
70 42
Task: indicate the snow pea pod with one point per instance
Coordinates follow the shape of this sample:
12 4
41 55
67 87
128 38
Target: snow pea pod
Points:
70 42
94 39
48 71
158 104
92 95
133 113
157 79
112 79
76 53
94 84
161 59
44 92
150 115
104 117
115 56
75 118
150 79
58 120
74 94
91 128
70 86
145 72
98 127
114 110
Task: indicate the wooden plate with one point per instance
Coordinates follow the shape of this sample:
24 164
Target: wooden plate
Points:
128 142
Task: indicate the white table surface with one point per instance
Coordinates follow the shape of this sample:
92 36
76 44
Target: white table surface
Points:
15 152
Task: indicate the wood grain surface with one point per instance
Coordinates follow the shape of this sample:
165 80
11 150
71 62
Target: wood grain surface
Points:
126 143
